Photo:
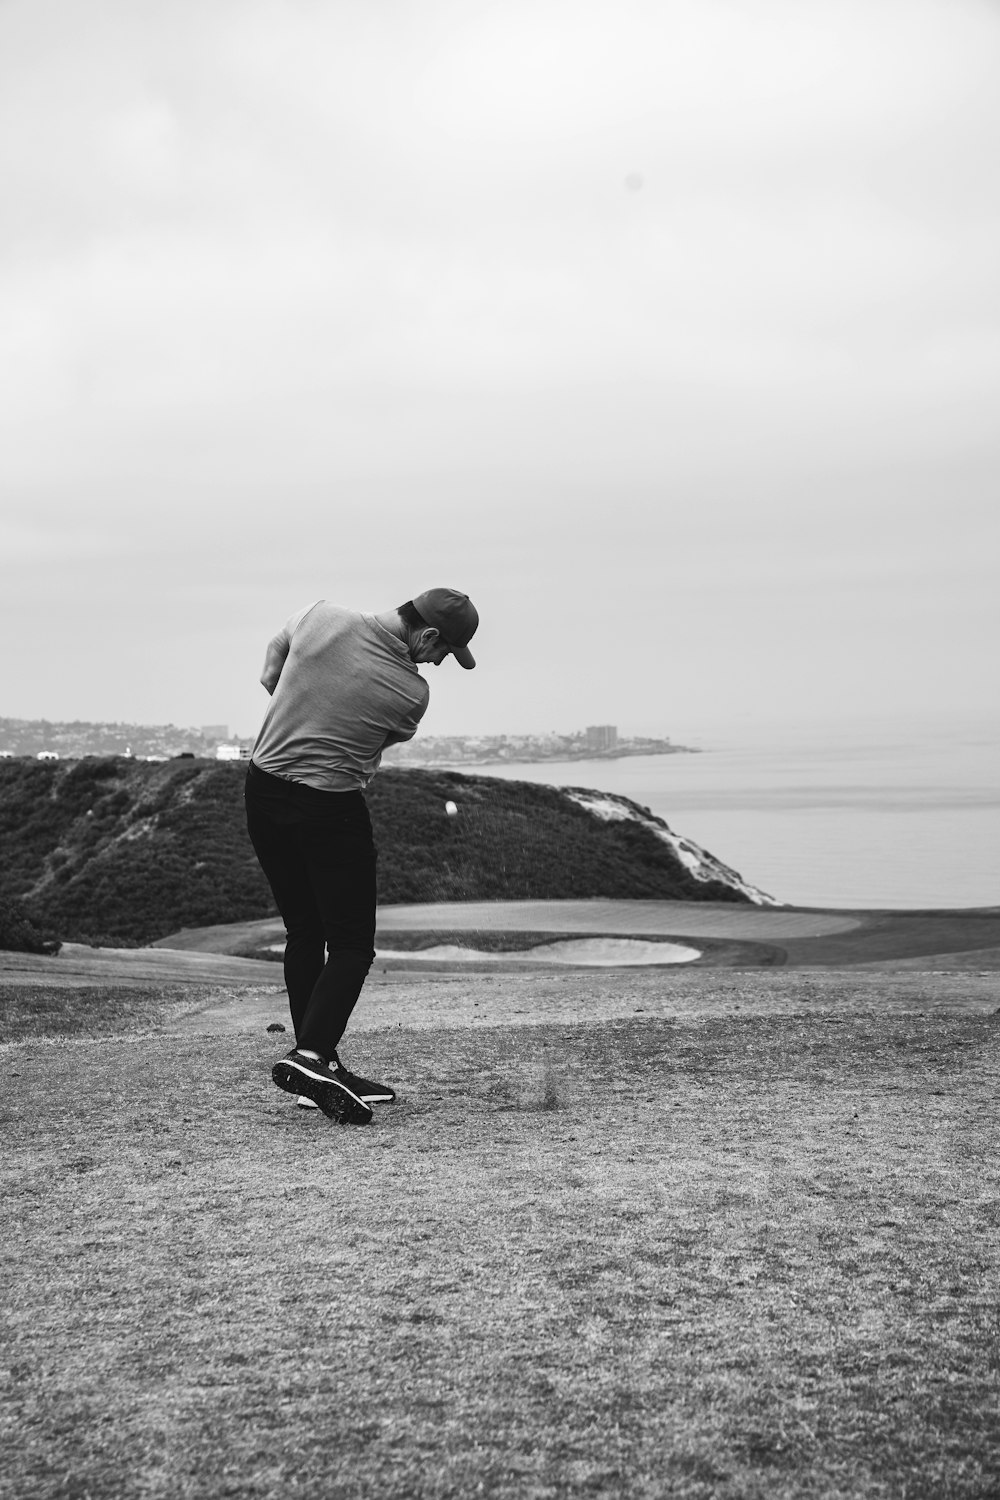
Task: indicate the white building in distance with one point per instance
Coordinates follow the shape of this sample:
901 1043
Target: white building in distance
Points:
232 752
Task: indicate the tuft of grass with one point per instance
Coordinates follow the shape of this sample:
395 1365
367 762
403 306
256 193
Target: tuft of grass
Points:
551 1097
749 1258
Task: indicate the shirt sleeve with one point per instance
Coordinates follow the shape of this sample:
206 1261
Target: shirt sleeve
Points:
293 622
408 727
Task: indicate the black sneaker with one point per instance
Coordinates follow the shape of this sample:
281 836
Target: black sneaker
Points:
364 1088
297 1074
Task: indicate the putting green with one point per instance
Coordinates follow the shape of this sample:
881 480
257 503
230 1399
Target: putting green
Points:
692 919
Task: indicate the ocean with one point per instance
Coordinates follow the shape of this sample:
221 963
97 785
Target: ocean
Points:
879 820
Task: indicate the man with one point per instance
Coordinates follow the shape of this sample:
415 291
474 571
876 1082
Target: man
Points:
343 686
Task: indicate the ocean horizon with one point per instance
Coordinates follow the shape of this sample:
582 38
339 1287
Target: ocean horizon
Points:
871 820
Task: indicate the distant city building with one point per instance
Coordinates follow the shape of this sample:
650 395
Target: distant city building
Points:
601 737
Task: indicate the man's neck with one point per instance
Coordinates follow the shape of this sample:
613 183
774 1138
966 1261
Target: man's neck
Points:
392 621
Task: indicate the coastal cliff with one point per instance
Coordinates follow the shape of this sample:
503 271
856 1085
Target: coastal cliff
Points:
116 850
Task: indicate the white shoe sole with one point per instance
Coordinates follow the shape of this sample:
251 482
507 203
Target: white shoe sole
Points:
333 1098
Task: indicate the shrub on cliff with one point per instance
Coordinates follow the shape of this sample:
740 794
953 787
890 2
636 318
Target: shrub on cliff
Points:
20 934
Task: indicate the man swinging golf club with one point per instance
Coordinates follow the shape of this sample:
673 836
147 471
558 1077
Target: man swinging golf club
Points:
344 686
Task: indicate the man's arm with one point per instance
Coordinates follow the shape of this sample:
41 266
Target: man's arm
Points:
277 651
399 736
407 729
279 647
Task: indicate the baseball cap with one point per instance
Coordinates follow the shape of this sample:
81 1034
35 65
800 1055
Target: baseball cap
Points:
454 616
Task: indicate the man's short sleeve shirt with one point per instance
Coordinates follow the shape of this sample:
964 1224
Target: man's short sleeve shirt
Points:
346 685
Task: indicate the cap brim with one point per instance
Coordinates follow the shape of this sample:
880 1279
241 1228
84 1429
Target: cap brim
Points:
464 657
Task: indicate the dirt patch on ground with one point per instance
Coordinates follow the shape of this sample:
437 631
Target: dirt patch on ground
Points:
77 964
212 994
392 1000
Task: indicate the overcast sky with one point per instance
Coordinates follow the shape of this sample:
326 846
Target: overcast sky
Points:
667 329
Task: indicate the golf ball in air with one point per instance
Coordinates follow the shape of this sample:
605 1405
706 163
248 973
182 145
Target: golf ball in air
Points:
451 809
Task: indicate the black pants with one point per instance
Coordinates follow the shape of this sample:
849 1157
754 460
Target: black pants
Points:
317 851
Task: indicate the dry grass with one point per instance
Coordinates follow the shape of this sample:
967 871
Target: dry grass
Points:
96 1010
735 1258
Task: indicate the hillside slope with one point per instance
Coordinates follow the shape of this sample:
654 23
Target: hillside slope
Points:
117 850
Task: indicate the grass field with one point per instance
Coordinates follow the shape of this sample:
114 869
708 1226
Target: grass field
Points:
729 934
729 1256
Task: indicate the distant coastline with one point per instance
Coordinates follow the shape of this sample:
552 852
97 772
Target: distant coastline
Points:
601 742
415 759
73 740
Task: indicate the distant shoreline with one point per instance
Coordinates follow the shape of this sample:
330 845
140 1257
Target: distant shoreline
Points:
446 763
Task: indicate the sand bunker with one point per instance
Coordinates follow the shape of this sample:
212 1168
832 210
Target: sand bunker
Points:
603 953
594 952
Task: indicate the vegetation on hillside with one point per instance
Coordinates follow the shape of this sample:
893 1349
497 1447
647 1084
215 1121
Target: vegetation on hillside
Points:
19 934
116 850
515 840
